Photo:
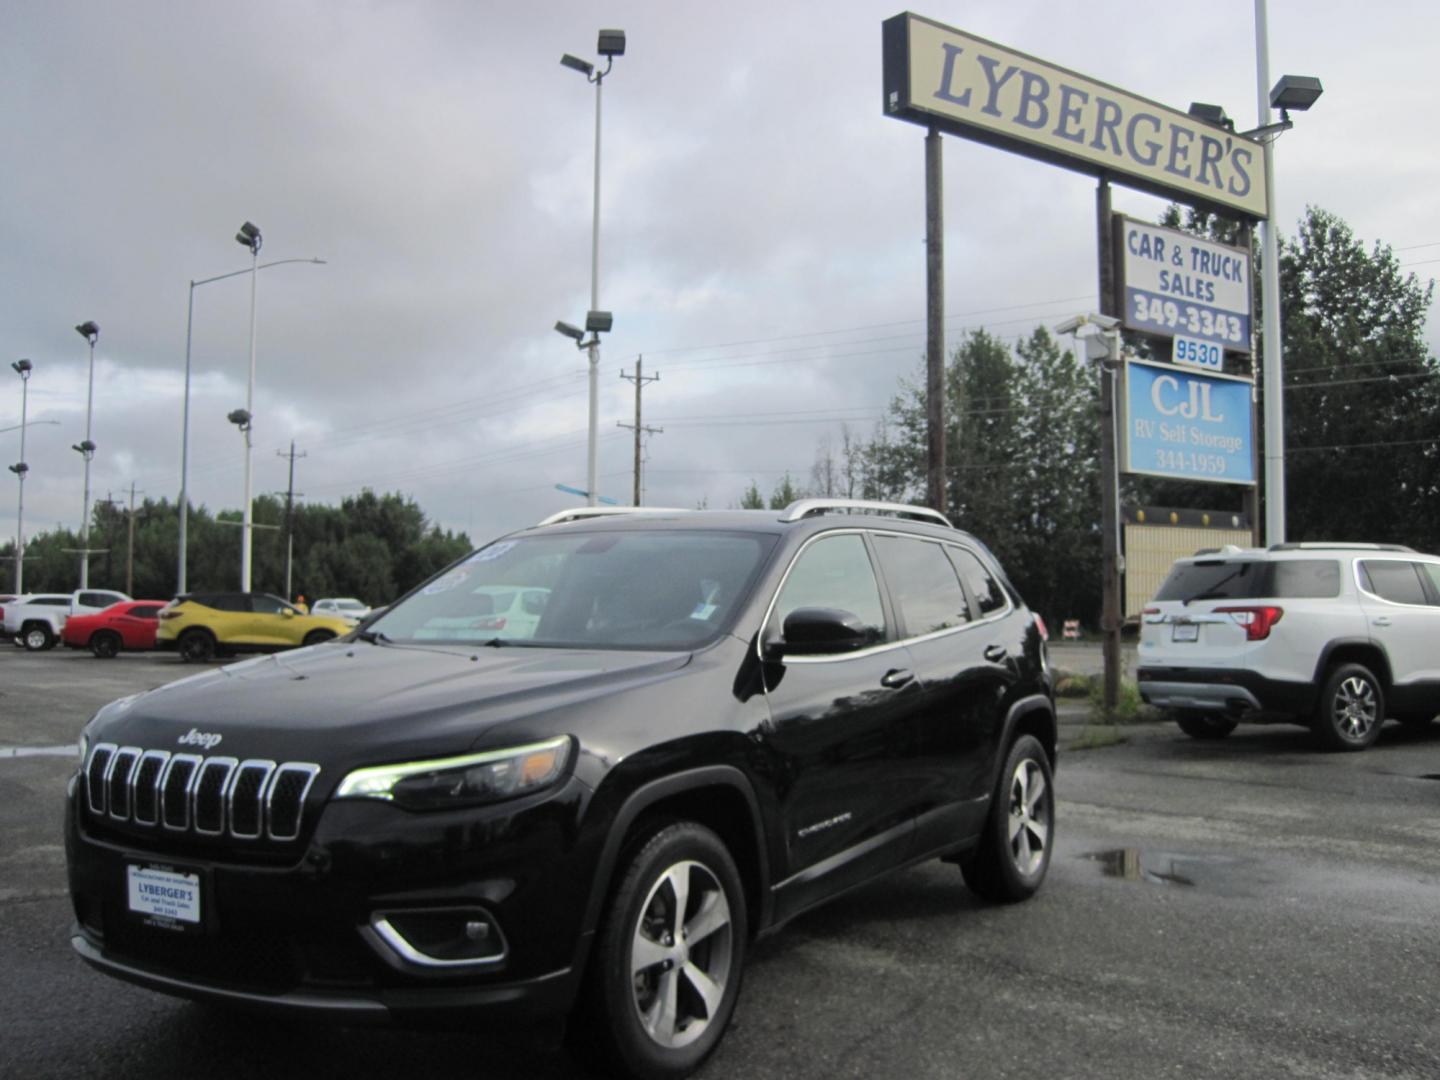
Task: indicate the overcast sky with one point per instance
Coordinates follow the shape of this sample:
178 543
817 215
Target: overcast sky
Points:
762 227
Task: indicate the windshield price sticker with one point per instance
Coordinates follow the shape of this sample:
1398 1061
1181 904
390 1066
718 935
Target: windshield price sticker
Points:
163 894
1201 354
1178 284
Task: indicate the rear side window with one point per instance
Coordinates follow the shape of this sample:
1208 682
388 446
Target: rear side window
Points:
145 611
988 593
1304 579
1433 572
923 585
1393 580
225 601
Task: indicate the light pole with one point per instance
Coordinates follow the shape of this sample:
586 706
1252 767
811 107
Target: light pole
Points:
611 44
23 369
249 236
185 413
90 331
1291 92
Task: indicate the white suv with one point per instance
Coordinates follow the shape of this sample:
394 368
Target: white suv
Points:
1334 636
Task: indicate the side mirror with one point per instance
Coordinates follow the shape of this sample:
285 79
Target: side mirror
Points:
816 631
289 613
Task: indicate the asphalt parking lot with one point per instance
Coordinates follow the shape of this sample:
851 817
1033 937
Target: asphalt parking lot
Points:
1246 908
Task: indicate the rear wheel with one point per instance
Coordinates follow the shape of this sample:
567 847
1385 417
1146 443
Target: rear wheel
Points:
105 644
196 645
36 636
1199 725
1352 708
315 637
666 970
1019 834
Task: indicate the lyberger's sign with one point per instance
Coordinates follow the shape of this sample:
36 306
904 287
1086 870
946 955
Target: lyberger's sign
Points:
972 87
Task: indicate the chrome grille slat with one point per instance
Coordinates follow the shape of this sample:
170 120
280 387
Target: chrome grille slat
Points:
254 799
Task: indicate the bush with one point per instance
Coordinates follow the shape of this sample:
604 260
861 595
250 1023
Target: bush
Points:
1129 709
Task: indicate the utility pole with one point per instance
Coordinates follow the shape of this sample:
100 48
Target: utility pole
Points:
289 514
130 547
639 379
1111 560
935 486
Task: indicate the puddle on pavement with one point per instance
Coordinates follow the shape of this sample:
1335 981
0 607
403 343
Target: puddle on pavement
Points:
1155 867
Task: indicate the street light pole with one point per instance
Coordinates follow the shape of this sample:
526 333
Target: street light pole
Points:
90 331
249 235
610 45
181 577
23 369
1274 370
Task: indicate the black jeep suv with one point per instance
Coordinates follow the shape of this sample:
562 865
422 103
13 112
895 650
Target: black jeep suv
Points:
577 772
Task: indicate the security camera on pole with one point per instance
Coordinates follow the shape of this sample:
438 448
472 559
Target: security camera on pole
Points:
610 45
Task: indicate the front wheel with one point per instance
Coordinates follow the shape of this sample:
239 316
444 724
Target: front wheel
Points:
1019 833
37 637
1208 726
668 959
1352 708
105 644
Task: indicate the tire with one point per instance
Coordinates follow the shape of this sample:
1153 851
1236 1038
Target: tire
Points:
623 1018
315 637
1205 726
196 646
105 644
36 637
1351 709
1019 834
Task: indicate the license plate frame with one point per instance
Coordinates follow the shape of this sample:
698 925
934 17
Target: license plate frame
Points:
166 896
1185 632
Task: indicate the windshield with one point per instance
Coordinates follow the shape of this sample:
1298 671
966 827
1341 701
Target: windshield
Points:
611 590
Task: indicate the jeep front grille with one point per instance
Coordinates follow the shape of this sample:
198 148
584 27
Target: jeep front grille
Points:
208 796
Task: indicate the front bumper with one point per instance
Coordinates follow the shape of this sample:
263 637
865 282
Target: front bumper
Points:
1224 690
291 933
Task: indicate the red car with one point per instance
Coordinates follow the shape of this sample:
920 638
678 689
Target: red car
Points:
128 625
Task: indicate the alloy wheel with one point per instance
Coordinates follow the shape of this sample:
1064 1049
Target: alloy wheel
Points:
1029 816
681 954
1355 707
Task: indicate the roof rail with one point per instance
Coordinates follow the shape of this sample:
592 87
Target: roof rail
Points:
1322 546
803 508
582 512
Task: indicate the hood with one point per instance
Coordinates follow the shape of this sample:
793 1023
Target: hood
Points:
348 703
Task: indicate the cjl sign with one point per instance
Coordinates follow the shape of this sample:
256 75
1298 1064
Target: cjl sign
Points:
1187 426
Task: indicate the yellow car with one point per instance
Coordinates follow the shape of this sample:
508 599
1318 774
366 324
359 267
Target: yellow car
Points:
201 625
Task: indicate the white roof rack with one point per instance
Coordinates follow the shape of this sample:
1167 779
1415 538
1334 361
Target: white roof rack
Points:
805 507
582 512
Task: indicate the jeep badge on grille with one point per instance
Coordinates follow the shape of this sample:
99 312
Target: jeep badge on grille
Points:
199 738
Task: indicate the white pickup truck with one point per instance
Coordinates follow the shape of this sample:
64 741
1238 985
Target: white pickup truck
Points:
35 620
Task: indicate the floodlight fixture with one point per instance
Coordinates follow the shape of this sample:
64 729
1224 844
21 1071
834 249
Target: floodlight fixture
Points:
1296 92
239 417
569 331
599 322
90 331
576 64
85 446
249 236
611 43
20 469
23 368
1214 115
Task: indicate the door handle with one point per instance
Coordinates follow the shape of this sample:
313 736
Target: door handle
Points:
995 653
897 678
1383 620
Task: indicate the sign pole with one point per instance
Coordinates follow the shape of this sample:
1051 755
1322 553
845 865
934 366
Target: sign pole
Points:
1109 477
1252 494
934 322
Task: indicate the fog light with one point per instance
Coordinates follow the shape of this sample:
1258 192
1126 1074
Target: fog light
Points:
439 937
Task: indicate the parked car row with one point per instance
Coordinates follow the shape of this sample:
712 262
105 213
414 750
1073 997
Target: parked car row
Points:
197 626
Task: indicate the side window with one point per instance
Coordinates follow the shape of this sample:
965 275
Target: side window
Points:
226 601
266 605
834 572
1297 579
988 593
1394 580
1432 571
923 585
95 599
145 611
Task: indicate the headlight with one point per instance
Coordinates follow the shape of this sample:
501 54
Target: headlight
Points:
470 779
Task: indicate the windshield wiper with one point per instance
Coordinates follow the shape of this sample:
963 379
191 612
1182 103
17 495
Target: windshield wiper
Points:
1210 592
374 637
